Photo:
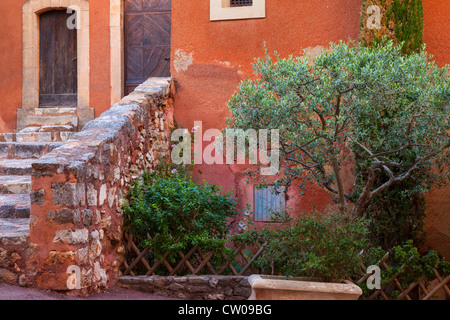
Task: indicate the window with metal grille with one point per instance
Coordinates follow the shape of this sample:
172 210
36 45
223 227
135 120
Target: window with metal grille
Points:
241 3
237 9
269 202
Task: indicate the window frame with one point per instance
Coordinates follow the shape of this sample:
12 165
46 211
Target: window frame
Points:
266 215
221 10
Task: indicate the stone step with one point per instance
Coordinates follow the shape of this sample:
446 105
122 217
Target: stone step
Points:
14 228
15 184
53 128
26 150
41 121
15 167
51 117
36 136
14 206
55 111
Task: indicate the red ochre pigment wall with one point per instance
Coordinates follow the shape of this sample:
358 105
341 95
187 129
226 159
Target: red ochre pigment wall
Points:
210 58
11 59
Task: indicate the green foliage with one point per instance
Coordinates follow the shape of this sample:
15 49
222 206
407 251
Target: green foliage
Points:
408 265
178 214
408 17
323 247
390 110
405 264
395 217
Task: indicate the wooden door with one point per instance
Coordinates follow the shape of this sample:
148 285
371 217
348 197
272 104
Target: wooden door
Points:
57 61
147 29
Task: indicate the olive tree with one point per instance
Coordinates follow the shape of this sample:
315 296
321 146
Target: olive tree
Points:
387 110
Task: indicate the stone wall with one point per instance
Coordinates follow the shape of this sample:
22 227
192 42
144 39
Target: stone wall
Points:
77 189
17 257
207 287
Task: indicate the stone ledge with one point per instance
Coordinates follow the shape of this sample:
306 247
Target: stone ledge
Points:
80 186
205 287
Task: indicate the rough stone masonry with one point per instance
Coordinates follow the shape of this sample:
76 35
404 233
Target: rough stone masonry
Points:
77 190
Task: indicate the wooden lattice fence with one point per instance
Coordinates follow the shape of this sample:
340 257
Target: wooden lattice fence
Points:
424 288
195 262
241 261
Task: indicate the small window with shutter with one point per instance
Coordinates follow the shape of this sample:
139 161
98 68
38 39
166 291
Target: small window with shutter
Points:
268 202
241 3
237 9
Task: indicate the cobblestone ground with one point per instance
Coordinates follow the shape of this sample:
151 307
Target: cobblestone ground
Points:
19 293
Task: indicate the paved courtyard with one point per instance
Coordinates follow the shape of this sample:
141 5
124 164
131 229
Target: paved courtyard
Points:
19 293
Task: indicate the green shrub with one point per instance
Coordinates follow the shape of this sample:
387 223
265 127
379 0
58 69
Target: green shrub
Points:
178 214
396 217
324 247
408 264
386 109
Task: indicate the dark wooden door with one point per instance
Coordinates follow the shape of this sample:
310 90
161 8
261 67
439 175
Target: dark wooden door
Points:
147 30
57 61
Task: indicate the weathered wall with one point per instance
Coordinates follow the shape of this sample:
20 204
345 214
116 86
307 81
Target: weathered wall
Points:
11 59
209 59
207 287
10 62
437 38
77 189
436 29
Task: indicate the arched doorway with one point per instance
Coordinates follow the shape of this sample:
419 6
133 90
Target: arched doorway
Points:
58 85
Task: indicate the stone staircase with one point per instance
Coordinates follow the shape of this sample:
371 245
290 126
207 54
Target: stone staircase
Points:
40 132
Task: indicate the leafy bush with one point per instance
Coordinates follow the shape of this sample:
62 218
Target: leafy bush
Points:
387 109
324 247
405 264
407 261
178 214
396 217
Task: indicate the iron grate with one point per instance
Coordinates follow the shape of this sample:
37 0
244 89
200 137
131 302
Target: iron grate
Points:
241 3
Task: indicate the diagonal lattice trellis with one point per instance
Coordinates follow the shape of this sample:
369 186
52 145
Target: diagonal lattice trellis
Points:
195 261
427 287
241 262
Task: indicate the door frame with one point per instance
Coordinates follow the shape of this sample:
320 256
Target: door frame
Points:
117 49
117 40
58 64
30 32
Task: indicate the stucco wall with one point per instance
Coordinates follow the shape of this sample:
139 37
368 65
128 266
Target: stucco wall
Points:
209 59
10 62
11 59
436 30
78 189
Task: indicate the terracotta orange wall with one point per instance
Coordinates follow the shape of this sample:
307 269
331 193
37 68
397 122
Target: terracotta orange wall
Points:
209 59
100 77
11 59
436 29
10 63
437 38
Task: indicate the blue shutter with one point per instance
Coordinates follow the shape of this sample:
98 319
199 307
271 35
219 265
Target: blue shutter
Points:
268 202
